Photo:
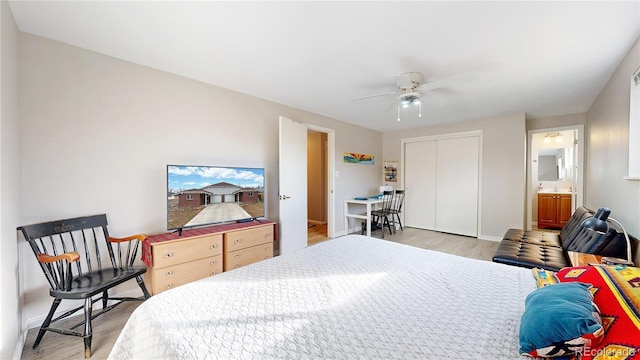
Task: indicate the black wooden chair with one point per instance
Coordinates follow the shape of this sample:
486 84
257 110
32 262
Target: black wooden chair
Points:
382 215
68 252
396 208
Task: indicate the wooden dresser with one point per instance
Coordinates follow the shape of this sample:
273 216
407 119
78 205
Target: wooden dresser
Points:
174 260
246 246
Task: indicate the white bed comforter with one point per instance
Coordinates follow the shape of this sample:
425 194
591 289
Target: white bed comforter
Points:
353 297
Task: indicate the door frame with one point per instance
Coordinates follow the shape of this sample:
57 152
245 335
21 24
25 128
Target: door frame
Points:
331 165
578 191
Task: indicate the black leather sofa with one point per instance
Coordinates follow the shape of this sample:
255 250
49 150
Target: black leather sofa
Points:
548 250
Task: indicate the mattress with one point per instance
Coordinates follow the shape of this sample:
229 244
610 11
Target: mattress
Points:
353 297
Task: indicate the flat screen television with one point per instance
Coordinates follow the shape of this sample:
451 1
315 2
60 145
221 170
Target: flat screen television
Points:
204 195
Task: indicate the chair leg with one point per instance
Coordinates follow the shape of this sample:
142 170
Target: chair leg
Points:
143 287
105 298
386 220
399 222
88 332
46 322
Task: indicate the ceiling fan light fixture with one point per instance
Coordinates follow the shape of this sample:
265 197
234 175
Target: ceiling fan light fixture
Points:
409 99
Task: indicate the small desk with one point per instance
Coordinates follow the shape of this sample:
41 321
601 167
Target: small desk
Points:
366 216
582 259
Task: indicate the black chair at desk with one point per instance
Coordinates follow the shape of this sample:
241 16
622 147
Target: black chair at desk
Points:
382 215
397 208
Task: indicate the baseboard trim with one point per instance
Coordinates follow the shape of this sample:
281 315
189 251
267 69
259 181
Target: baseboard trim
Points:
316 222
17 353
490 238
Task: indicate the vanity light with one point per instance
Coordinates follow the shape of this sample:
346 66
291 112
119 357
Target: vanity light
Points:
557 136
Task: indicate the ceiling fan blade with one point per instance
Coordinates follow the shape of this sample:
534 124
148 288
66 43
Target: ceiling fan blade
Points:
376 95
445 82
435 98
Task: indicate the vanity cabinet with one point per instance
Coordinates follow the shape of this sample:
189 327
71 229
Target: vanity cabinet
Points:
554 210
173 259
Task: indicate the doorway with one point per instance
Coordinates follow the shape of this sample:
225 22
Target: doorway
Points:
292 187
317 186
555 163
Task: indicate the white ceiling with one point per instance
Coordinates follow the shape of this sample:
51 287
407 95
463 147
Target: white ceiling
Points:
540 58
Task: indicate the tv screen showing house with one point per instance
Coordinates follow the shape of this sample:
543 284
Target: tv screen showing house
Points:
202 195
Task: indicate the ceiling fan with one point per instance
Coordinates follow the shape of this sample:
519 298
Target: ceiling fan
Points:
410 89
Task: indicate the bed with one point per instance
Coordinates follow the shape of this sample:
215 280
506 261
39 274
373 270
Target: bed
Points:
350 297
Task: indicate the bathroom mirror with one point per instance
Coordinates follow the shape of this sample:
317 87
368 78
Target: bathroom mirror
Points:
553 164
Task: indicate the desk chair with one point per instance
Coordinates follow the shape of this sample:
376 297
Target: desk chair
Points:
385 212
396 208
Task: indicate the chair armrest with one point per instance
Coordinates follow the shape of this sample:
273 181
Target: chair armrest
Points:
70 257
139 237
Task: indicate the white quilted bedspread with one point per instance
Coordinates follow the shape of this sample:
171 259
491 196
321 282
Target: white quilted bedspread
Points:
353 297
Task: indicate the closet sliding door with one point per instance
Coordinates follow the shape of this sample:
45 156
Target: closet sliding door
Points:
420 182
441 176
457 186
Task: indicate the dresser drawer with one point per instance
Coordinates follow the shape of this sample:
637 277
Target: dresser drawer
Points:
180 251
171 276
241 239
238 258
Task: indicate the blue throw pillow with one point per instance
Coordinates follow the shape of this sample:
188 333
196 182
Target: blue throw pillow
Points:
559 320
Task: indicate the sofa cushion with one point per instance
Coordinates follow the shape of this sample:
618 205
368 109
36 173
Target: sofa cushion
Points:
530 255
587 241
615 246
574 222
536 237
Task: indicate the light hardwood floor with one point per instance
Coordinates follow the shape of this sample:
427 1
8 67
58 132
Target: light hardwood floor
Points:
107 327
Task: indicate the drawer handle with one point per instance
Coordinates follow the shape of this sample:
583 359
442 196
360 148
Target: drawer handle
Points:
268 235
237 241
169 286
213 273
212 246
266 257
213 262
169 273
168 255
237 255
266 248
237 266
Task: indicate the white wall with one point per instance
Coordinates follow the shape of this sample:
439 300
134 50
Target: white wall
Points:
503 168
10 188
556 121
608 148
98 133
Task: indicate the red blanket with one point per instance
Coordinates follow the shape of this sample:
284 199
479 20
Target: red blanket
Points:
617 294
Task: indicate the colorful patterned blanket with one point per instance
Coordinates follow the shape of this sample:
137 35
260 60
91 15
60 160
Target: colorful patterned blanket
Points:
616 292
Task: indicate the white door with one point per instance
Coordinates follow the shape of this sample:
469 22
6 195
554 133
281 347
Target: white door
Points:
420 185
441 177
292 189
457 189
